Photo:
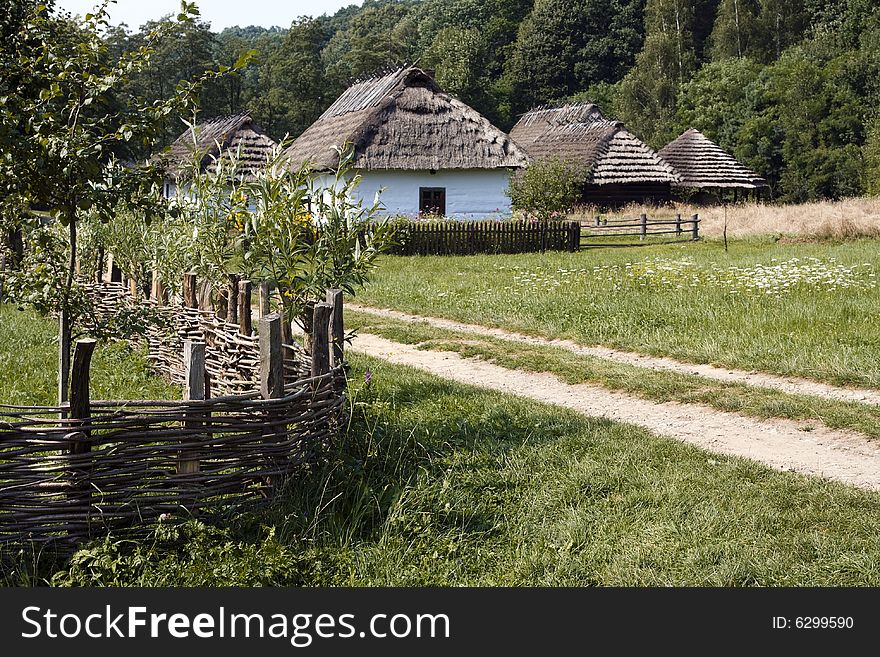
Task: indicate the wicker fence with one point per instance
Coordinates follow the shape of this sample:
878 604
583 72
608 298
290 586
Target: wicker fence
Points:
68 474
474 237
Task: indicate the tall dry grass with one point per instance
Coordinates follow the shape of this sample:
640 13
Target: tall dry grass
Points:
847 219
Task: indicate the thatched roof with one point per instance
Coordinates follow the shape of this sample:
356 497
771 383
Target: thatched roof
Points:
228 135
607 151
699 162
403 120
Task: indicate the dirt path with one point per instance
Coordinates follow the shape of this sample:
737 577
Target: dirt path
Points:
782 444
784 384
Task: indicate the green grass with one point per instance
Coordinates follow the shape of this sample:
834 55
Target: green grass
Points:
29 365
440 484
830 335
436 483
656 385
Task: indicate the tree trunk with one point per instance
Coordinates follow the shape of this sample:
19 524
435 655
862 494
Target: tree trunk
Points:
64 328
15 240
739 50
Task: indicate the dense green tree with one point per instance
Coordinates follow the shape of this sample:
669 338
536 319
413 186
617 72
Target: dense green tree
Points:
734 30
842 21
821 121
871 153
792 87
186 52
293 91
719 99
376 37
646 97
780 24
458 58
564 46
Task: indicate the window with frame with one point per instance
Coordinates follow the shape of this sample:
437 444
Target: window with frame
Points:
432 200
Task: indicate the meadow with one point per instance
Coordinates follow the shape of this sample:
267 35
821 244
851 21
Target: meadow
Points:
435 483
807 309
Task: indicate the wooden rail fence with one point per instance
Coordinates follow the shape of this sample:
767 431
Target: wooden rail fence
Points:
120 465
596 233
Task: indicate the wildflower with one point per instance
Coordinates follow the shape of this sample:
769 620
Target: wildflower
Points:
368 377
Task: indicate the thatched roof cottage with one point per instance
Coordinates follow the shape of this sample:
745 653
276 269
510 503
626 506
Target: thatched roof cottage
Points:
617 167
701 164
427 151
210 141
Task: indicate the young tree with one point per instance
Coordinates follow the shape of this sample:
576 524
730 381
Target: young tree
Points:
74 131
547 189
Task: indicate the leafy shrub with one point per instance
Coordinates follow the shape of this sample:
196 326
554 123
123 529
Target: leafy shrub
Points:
547 189
188 554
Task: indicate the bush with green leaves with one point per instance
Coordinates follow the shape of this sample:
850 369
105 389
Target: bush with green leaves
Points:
547 189
280 224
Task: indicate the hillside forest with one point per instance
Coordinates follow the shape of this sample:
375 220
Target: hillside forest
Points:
791 87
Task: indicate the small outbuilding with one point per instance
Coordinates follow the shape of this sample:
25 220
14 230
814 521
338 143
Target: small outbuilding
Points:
617 167
236 135
703 166
428 152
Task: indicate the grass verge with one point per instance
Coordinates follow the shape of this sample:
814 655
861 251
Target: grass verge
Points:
752 307
656 385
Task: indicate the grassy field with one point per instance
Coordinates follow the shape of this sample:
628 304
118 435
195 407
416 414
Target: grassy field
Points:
29 369
435 483
805 309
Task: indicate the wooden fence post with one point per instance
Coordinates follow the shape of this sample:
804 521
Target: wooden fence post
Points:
678 224
337 326
99 266
643 229
190 298
321 339
271 357
79 412
157 290
194 390
696 228
575 236
272 385
80 406
232 299
204 295
221 304
265 291
245 327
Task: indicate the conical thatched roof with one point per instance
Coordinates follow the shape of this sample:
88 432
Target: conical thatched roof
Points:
700 162
607 151
403 120
232 135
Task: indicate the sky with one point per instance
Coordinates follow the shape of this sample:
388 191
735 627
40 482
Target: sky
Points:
219 13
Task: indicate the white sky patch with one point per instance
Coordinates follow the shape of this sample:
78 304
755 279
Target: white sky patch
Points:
219 13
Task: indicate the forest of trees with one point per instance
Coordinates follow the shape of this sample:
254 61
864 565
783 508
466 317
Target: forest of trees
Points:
791 87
